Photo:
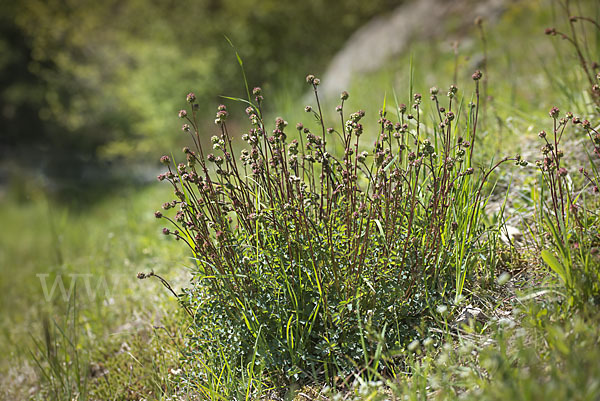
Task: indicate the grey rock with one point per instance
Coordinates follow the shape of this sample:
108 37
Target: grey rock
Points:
369 48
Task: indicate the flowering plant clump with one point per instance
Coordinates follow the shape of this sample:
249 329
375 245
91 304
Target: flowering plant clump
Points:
570 224
314 254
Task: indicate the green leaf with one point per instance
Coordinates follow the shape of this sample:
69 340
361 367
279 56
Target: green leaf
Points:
554 264
237 99
386 168
241 63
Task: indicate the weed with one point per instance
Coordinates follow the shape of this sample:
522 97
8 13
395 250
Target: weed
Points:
308 247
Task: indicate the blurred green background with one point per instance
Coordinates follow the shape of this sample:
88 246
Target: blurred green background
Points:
84 82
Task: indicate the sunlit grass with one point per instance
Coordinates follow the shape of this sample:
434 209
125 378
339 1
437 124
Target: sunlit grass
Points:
115 237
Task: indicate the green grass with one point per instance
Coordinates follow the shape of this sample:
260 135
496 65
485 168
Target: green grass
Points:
134 341
99 247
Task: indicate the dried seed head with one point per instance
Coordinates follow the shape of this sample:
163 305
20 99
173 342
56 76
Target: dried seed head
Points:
280 123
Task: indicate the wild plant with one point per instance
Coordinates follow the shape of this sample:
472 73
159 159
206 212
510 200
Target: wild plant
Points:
313 256
578 39
569 221
565 211
62 364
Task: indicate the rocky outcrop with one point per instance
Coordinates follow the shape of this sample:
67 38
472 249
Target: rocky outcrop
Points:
386 36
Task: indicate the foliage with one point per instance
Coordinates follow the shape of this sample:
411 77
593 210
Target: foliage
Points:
537 339
540 358
69 292
98 78
564 210
301 254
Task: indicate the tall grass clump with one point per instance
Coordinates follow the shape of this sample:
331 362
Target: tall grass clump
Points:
59 359
566 203
316 254
566 211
